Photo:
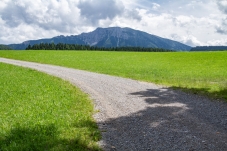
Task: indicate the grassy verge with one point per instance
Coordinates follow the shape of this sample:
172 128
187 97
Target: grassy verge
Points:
200 72
41 112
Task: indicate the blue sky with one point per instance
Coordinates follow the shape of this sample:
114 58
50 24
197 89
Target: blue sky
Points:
194 22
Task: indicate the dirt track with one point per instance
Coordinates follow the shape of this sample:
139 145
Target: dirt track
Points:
143 116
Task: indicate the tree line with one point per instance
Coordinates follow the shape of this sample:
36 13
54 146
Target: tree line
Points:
4 47
209 48
64 46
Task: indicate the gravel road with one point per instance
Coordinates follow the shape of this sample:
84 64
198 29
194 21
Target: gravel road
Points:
143 116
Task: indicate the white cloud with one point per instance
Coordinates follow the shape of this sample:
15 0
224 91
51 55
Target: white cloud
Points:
3 4
222 5
222 27
16 35
197 22
102 9
49 15
219 42
133 14
183 21
155 6
191 41
51 18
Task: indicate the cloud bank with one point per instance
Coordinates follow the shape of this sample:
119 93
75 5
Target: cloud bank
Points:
222 5
197 22
94 10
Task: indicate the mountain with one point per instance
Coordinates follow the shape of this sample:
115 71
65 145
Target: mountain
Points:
111 37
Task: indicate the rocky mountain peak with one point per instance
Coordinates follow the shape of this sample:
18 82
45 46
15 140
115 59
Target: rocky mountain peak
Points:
112 37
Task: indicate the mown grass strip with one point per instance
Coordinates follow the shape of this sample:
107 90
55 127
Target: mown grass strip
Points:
41 112
199 72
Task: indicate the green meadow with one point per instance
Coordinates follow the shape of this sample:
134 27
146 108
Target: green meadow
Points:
198 72
42 112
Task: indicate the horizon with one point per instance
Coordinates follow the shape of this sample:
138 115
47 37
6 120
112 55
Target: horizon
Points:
193 23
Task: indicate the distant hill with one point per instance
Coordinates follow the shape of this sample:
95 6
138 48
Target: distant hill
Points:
4 47
111 37
209 48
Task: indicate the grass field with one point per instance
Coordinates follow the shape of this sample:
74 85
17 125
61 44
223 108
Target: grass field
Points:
41 112
199 72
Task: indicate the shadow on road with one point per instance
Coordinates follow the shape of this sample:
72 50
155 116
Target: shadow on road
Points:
173 120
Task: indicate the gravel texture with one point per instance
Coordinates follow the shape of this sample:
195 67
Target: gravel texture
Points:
141 116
